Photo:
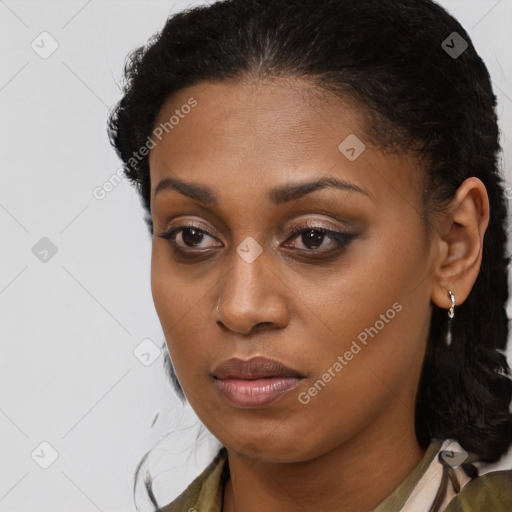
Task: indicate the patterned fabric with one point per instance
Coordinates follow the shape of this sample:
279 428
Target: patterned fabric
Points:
439 483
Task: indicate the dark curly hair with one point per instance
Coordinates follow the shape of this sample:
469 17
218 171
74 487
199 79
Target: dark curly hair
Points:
388 57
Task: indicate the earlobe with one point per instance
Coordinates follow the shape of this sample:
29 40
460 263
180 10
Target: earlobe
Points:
461 237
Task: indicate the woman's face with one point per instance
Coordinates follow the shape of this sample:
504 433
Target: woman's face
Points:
348 311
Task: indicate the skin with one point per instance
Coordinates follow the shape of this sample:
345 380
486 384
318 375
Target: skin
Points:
299 307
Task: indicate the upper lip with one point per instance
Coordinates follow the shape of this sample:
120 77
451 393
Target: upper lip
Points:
254 368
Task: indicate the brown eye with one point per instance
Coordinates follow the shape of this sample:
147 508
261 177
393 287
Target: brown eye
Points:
184 237
191 237
314 237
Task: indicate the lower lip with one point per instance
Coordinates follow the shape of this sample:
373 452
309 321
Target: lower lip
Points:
251 394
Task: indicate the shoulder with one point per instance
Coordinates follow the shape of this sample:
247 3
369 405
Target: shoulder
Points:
489 492
206 491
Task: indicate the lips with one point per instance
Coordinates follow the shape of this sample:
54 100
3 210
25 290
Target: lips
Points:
254 383
255 368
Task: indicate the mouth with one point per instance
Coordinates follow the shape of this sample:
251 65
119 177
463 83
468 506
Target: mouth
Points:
254 383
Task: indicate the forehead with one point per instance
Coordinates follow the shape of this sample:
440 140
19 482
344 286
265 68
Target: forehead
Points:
253 134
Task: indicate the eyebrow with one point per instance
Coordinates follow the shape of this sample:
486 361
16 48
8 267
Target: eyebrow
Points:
278 195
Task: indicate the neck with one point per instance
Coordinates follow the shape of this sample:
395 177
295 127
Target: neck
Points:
359 474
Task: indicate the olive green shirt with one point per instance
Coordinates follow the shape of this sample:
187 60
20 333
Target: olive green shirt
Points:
490 492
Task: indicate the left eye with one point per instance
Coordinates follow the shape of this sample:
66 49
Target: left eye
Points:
313 237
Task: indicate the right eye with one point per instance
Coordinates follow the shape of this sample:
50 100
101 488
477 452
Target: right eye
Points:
184 237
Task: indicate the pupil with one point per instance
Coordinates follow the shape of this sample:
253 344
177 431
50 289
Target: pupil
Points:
310 237
196 238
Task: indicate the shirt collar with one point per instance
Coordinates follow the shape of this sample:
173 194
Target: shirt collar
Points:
211 492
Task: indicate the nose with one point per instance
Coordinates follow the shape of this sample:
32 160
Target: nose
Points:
252 297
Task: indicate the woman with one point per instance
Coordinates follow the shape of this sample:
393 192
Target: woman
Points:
329 251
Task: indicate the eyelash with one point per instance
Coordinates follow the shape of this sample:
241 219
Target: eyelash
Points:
341 239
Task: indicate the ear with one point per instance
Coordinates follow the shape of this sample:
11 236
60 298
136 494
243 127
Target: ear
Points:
459 234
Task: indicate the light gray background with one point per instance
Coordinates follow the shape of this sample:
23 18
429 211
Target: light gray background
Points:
69 326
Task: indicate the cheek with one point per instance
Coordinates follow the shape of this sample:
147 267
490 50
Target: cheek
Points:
173 296
164 290
359 375
182 306
375 315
